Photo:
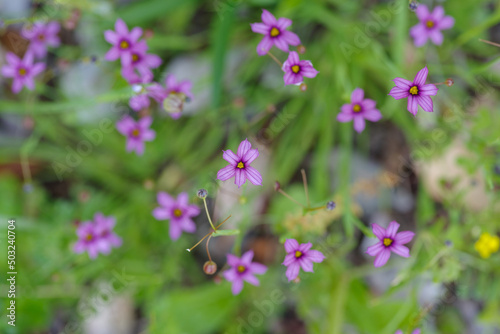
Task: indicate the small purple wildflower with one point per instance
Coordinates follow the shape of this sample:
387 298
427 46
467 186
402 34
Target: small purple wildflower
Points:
123 42
416 331
275 33
243 269
141 98
22 71
300 256
175 91
358 110
389 241
430 25
417 92
42 35
239 165
136 132
295 69
96 236
178 211
142 63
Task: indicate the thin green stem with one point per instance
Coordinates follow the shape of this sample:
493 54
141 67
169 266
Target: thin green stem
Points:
290 198
304 179
208 215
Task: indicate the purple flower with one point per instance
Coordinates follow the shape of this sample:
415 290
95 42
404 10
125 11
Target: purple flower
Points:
178 211
430 25
175 92
123 42
358 110
239 165
141 63
42 35
97 236
416 331
243 269
275 33
106 238
141 99
295 69
300 256
389 241
136 132
417 92
22 71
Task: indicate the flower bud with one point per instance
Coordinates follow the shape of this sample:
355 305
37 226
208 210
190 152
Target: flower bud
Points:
202 193
449 82
210 267
303 87
301 49
413 6
277 186
330 205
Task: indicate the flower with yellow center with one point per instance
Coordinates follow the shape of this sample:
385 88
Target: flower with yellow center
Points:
274 32
298 254
387 242
487 245
124 45
295 68
135 57
414 90
356 108
240 165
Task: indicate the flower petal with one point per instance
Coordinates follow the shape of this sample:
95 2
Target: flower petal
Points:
404 237
379 231
426 103
437 13
315 256
372 115
344 117
257 268
398 93
421 77
250 156
290 38
402 83
283 23
400 250
264 46
240 177
253 176
306 264
226 173
359 124
291 245
233 260
175 230
422 12
247 257
289 259
230 157
446 23
436 37
392 229
243 148
237 286
259 28
268 18
292 271
375 249
357 95
251 279
428 89
382 258
161 213
412 105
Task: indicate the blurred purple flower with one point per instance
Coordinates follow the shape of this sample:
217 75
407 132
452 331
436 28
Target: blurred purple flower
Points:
239 165
417 92
141 63
175 92
178 211
295 69
389 241
416 331
22 71
141 98
300 256
243 269
123 42
359 109
136 132
275 33
96 236
430 25
42 35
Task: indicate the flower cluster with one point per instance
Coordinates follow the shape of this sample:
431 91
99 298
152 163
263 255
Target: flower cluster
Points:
97 236
24 70
275 34
487 244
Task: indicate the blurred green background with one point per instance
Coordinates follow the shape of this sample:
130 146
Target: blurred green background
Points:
437 174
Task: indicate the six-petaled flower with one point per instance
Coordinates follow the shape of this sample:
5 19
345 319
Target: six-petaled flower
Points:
389 241
178 211
42 35
417 92
430 25
275 33
97 236
122 41
300 256
296 69
239 165
243 269
358 110
136 132
22 71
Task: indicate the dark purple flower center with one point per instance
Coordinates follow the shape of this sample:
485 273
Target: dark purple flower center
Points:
356 108
429 24
414 90
124 45
295 68
241 269
240 165
275 32
177 213
387 242
298 254
22 71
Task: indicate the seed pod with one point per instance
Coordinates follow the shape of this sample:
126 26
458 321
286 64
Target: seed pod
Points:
449 82
210 267
277 186
303 87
